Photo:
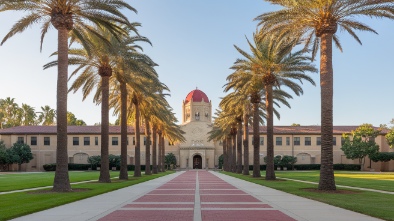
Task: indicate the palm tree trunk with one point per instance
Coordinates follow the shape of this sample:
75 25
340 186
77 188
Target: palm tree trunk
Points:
123 132
256 141
162 154
246 143
270 173
159 153
229 152
147 148
137 165
225 158
154 150
104 169
239 146
61 181
327 180
234 151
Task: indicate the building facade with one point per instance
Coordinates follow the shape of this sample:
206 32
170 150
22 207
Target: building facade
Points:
302 142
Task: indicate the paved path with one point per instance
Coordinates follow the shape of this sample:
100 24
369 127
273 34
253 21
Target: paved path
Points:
197 195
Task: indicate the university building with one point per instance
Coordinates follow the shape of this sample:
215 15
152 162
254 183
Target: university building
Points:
302 142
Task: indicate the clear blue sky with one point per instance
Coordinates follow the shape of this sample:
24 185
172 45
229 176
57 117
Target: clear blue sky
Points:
193 44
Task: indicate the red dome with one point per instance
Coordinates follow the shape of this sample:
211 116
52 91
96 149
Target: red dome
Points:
197 96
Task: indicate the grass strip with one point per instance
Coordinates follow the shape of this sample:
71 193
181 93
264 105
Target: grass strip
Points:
20 181
374 204
377 181
20 204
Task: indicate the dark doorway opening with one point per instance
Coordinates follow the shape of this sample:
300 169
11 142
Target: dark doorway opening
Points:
197 162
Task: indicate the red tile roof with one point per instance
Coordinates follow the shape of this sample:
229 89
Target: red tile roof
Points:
308 129
70 130
130 130
197 96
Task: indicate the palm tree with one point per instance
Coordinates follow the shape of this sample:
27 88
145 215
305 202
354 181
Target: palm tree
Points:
97 67
316 23
28 115
273 66
66 16
129 68
9 111
47 116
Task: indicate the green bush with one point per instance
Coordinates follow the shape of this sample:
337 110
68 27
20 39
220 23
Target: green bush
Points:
221 160
49 167
382 156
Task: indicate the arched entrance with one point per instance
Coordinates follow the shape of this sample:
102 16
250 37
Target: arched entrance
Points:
197 162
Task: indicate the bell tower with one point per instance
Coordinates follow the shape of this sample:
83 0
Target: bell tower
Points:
196 107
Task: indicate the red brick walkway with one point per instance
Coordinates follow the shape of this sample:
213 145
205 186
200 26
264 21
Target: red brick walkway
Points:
197 195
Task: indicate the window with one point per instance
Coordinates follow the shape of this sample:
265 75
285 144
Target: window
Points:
75 141
115 141
96 141
334 141
144 140
21 140
342 141
287 141
308 141
33 141
318 141
47 141
261 141
133 140
297 141
279 141
86 141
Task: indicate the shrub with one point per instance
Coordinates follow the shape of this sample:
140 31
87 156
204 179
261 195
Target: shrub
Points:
221 160
382 156
49 167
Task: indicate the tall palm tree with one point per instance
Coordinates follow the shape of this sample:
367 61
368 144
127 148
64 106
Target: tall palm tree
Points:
131 65
97 67
66 16
273 66
316 23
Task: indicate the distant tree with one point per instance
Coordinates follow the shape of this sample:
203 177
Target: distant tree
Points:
295 125
3 155
22 152
72 120
27 115
170 159
361 143
47 116
390 137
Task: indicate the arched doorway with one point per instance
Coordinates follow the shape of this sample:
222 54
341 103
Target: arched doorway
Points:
197 162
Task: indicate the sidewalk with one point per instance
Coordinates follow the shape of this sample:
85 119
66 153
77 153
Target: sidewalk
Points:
196 195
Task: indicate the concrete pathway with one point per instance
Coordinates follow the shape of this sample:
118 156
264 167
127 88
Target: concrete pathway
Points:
196 195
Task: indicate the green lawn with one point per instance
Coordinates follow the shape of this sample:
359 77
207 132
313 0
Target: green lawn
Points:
19 181
18 204
378 181
370 203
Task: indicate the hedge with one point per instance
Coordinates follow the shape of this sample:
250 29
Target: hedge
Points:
74 166
353 167
382 156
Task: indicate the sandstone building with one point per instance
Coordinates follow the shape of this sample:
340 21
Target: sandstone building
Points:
302 142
